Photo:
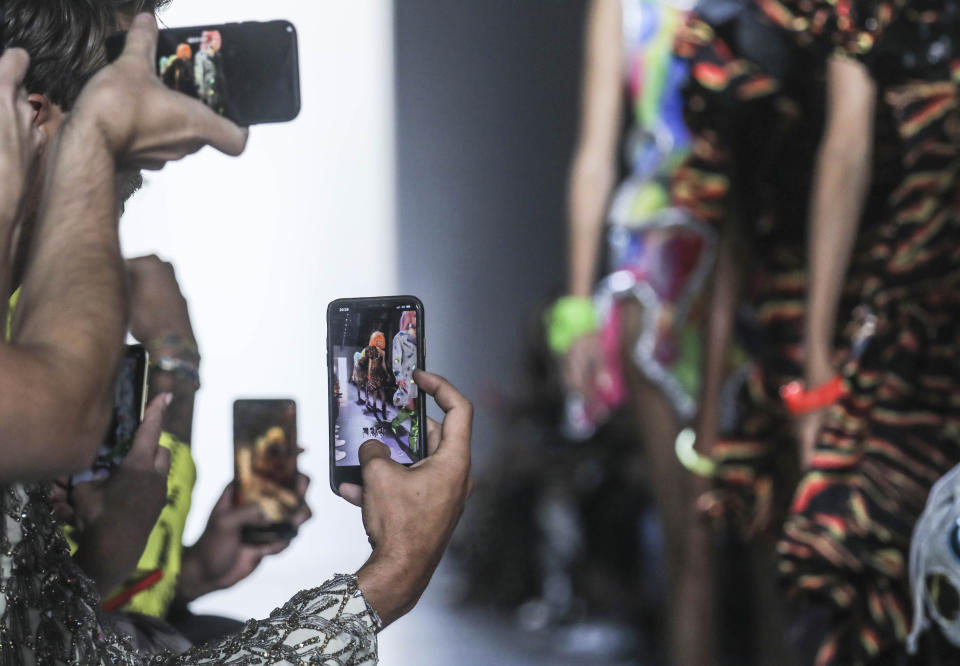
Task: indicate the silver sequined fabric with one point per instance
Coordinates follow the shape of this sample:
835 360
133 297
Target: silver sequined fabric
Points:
49 616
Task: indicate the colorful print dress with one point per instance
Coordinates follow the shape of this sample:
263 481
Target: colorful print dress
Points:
898 428
658 255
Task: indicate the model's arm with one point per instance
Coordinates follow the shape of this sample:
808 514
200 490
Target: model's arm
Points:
721 308
593 169
841 181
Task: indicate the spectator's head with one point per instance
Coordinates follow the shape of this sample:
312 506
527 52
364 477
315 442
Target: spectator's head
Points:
66 43
65 40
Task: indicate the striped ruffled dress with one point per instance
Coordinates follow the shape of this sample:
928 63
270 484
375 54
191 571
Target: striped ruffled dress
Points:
897 430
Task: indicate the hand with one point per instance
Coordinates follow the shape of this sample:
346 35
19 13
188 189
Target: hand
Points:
410 513
586 375
115 517
19 141
220 558
145 124
158 308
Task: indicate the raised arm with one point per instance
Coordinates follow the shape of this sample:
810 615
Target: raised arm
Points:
56 376
841 181
593 170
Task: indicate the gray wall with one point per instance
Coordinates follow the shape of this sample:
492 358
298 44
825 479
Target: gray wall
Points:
487 100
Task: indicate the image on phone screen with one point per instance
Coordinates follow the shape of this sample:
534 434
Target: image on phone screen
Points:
129 401
265 453
247 72
374 346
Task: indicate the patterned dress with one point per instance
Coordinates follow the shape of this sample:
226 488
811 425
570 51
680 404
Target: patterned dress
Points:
49 609
754 107
898 428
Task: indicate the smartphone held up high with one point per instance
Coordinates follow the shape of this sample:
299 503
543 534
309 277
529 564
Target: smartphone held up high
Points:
265 461
247 72
373 347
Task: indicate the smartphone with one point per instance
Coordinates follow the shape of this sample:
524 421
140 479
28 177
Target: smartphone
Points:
373 347
265 463
129 402
248 72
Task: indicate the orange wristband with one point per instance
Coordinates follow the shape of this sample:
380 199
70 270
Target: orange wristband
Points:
125 595
799 401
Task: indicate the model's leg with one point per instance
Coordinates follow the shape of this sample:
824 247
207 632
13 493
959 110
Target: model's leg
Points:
690 601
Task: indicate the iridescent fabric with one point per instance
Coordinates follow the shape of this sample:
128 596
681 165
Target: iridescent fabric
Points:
49 616
657 254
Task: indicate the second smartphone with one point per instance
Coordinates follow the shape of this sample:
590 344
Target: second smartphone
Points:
265 455
373 347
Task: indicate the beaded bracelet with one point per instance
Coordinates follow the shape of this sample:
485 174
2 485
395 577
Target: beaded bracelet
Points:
178 367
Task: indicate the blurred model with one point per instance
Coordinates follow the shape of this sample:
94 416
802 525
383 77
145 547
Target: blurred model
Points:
376 357
893 91
404 363
629 58
177 73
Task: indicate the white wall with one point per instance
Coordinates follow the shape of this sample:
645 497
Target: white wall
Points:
262 243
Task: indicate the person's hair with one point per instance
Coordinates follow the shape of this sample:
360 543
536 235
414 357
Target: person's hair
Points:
65 40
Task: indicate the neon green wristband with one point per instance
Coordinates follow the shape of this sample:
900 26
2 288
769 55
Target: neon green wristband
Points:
690 458
570 317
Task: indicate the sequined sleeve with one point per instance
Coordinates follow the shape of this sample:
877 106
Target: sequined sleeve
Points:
331 625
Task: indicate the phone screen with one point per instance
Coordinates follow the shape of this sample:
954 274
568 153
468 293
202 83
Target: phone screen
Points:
265 455
248 72
373 347
129 401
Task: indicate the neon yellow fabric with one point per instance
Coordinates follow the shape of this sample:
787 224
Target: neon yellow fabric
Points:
165 546
569 318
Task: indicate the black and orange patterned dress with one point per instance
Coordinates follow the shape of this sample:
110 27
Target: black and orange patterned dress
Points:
754 106
898 428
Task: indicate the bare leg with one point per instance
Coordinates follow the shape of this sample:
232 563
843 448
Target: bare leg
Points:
689 577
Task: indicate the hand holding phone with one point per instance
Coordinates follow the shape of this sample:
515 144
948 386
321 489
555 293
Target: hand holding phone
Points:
410 513
374 345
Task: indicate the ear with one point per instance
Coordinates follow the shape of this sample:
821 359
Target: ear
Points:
47 116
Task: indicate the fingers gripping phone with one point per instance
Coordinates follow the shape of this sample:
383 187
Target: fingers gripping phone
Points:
265 462
247 72
373 347
129 402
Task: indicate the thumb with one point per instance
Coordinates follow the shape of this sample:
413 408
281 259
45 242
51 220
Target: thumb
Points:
371 450
143 453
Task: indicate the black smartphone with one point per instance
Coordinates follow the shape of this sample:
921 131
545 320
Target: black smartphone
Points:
373 347
129 402
248 72
265 463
